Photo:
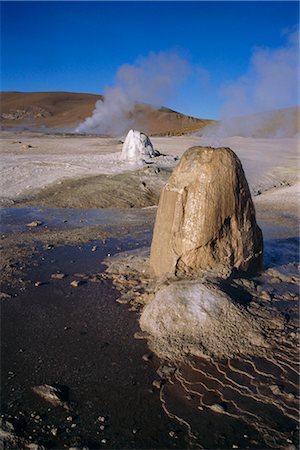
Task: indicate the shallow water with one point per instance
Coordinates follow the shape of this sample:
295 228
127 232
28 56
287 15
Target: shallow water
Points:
15 219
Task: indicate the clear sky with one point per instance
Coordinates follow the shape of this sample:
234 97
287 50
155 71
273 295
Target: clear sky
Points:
78 46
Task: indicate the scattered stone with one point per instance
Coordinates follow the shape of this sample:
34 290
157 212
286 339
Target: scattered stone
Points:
38 283
123 300
264 295
76 283
58 276
275 389
48 247
166 371
103 441
4 296
101 419
206 218
6 429
157 384
94 248
173 434
54 431
35 223
216 407
135 431
147 357
57 395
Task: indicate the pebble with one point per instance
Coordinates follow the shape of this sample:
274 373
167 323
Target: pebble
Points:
147 357
58 276
38 283
216 407
48 247
4 295
94 248
103 441
76 283
264 295
275 389
157 384
35 223
101 419
165 371
54 431
173 434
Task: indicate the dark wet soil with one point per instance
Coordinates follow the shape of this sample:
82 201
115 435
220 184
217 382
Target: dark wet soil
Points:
83 339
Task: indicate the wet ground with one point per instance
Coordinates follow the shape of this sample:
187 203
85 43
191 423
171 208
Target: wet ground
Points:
81 338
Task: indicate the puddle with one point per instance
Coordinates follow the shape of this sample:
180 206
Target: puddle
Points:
14 220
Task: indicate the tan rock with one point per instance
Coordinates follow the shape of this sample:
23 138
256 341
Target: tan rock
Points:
206 218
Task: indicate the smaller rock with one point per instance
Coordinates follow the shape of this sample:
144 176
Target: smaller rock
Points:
275 389
57 395
216 407
264 295
94 248
35 223
38 283
147 357
165 371
173 434
58 276
54 431
4 295
76 283
48 247
157 384
101 419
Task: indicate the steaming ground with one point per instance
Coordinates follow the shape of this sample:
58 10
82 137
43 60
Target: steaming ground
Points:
42 170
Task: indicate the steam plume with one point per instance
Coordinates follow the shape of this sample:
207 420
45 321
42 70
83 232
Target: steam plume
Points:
150 80
270 83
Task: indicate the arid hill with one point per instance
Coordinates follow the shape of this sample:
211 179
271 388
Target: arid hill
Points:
66 110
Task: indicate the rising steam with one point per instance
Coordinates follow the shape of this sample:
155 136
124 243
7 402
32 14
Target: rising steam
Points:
150 80
271 83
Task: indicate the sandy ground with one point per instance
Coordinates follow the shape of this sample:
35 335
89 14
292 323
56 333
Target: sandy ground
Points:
30 163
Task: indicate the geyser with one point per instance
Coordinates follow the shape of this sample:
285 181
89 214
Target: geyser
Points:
137 147
206 218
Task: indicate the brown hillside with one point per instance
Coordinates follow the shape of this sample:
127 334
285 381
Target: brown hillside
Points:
66 110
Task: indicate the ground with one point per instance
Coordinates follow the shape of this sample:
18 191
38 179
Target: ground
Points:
121 395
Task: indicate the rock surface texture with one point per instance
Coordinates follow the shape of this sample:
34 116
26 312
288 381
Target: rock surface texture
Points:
188 317
136 147
206 218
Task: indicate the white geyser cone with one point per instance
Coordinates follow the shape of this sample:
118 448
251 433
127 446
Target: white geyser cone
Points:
137 147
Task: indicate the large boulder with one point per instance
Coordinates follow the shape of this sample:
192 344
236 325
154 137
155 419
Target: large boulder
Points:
206 218
137 146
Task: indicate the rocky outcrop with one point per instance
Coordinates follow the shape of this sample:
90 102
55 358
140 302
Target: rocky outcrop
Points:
190 317
137 146
206 218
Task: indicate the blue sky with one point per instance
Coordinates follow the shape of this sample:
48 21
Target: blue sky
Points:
79 46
